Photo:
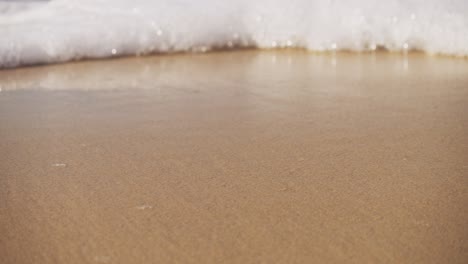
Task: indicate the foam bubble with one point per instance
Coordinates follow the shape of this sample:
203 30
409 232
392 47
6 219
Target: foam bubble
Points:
63 30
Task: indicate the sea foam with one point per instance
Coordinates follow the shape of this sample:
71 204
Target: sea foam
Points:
36 32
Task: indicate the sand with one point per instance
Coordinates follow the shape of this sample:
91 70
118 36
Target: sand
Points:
241 157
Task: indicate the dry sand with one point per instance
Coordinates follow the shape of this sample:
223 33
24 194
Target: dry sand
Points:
242 157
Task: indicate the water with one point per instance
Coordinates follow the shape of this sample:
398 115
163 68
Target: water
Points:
33 32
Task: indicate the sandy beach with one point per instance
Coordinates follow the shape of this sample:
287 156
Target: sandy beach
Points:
237 157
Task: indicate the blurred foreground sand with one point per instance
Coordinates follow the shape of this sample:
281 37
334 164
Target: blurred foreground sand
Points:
241 157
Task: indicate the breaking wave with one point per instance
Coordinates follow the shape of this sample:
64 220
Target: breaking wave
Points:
38 32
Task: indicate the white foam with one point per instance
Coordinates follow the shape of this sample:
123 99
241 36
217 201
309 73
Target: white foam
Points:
63 30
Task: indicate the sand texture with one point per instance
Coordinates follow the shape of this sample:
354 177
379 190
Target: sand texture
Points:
240 157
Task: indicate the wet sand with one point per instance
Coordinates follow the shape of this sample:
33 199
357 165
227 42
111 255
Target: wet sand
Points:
241 157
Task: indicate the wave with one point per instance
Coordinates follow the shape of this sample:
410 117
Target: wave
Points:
39 32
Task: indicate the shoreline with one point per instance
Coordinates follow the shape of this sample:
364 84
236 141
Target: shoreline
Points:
378 51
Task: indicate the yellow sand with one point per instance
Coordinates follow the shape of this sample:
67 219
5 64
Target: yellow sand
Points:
241 157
